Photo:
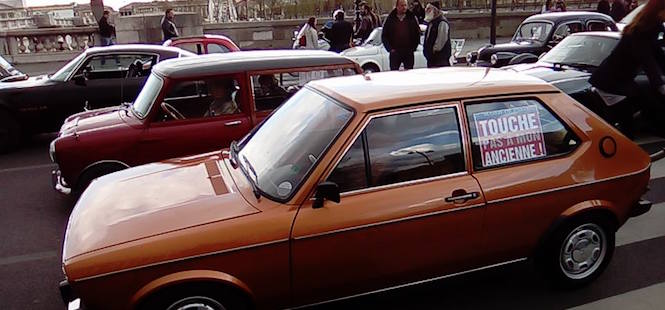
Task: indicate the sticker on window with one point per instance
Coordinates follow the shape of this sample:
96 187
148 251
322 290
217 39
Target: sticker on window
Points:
509 135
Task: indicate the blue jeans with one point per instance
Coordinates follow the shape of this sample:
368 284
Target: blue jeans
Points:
107 41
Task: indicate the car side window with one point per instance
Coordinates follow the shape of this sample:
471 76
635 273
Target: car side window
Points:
117 66
217 48
565 30
198 99
515 131
272 89
403 147
596 25
196 48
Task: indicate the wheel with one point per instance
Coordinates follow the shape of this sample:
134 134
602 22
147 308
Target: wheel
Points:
9 132
195 297
579 251
369 68
92 173
169 109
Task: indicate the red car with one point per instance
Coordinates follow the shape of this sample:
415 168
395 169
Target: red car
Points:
204 44
186 107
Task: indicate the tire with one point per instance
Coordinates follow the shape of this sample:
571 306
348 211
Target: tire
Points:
92 173
9 132
579 251
209 297
369 68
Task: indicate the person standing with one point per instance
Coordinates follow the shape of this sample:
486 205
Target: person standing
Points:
618 10
603 7
367 23
401 36
418 11
437 46
308 37
106 30
340 33
169 28
638 49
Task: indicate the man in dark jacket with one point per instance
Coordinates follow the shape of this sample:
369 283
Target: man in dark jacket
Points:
367 22
106 30
418 10
437 46
169 28
401 36
340 33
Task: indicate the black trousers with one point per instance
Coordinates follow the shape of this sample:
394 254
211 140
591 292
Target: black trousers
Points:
399 57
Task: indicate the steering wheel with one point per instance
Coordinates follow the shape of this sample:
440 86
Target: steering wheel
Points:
170 110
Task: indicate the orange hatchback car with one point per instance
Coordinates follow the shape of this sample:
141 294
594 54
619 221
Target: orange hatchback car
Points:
358 184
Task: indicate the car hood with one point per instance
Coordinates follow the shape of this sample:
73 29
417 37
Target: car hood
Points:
93 119
546 72
150 200
32 81
360 51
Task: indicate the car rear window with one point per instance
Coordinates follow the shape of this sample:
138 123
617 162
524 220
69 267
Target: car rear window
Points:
514 131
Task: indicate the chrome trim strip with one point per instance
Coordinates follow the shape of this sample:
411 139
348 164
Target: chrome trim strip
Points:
183 258
413 283
448 104
413 217
569 186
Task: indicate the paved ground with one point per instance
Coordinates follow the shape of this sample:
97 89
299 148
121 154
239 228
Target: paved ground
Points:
33 219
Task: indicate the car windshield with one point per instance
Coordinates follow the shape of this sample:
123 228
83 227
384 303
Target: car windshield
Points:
64 72
581 50
629 18
535 31
280 153
147 96
4 64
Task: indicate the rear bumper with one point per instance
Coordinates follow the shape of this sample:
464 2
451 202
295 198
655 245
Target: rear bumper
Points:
640 207
59 184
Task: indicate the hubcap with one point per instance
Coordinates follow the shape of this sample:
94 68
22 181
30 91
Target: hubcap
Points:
196 303
583 251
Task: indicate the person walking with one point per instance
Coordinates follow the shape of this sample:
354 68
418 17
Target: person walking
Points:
437 46
340 33
308 36
418 10
106 30
169 28
367 23
603 7
401 36
638 49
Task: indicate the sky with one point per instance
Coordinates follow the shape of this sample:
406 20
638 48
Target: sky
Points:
115 4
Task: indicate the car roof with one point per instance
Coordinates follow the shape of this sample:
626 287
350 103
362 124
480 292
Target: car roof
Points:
607 34
135 48
558 17
222 63
399 88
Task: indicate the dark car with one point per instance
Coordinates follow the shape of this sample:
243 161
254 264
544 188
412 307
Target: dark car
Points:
98 77
176 113
8 73
538 34
569 65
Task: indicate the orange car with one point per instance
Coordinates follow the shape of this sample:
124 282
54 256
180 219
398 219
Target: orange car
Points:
358 184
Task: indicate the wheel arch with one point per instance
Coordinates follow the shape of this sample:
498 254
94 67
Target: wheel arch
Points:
98 164
187 278
370 63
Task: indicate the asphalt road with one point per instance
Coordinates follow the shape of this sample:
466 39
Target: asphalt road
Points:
33 219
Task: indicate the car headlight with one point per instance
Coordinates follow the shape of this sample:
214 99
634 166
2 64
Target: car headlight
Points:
51 151
494 59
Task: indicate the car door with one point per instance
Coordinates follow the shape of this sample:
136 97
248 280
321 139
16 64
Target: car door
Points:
199 130
409 209
523 156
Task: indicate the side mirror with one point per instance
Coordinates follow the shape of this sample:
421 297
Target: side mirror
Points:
79 79
326 191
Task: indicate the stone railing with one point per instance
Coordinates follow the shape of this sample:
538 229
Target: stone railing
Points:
46 45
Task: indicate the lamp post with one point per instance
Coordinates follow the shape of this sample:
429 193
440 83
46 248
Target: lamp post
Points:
493 24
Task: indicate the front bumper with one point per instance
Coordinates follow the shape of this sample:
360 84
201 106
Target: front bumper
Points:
59 183
71 301
640 207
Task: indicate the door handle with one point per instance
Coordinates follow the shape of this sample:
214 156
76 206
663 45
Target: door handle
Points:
234 123
462 198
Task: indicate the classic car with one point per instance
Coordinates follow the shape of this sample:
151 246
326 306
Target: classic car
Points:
373 57
9 73
538 34
569 65
171 116
98 77
204 44
344 192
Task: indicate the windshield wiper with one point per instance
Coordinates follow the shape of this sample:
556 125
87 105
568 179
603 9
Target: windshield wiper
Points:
255 187
577 65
